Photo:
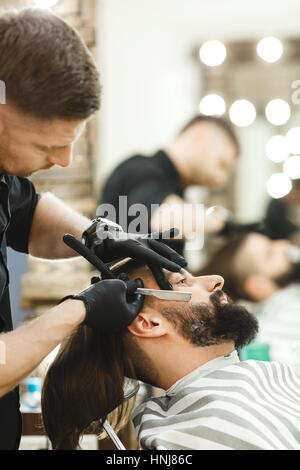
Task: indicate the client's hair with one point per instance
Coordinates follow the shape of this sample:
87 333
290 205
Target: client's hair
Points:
83 385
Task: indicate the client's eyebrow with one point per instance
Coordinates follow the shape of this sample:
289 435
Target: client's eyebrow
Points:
174 276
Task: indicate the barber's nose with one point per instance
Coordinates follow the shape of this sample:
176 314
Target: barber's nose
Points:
213 283
62 157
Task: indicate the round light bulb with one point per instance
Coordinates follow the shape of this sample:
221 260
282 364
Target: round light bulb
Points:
291 167
270 49
278 112
213 53
293 140
242 113
212 105
277 148
279 185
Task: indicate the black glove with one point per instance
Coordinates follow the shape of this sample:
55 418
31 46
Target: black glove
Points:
161 278
110 245
111 305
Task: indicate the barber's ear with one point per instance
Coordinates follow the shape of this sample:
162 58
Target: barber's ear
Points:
147 325
259 287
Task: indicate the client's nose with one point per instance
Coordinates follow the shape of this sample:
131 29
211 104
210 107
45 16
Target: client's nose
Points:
212 283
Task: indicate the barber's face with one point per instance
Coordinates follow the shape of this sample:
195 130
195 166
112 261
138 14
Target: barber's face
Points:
220 159
219 155
29 144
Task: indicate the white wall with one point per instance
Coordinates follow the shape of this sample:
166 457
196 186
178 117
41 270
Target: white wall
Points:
150 80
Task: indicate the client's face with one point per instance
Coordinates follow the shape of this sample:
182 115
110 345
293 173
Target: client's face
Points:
201 287
261 255
210 317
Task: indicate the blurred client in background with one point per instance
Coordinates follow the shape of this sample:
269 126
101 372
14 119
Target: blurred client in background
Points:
203 153
258 270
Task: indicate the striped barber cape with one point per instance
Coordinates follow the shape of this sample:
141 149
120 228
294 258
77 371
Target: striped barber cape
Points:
225 405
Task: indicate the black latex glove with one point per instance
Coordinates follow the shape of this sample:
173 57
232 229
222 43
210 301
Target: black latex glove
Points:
111 305
148 249
161 277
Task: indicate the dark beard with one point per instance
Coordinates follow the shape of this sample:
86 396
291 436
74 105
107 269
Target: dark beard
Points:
205 324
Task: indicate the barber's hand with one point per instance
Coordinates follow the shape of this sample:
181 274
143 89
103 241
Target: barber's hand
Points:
148 249
111 305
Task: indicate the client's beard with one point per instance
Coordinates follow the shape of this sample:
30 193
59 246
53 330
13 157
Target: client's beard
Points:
204 324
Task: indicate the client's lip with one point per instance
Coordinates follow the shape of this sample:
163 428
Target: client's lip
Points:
223 299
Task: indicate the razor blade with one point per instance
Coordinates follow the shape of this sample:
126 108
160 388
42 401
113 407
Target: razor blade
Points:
177 296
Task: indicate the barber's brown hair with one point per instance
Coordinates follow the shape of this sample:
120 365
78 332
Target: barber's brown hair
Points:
47 69
83 385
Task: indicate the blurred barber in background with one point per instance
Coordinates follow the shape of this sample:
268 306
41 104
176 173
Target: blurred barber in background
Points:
266 274
203 154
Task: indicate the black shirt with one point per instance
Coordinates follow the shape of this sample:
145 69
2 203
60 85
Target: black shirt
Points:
18 200
142 180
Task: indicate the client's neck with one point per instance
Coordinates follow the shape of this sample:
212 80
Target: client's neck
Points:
178 360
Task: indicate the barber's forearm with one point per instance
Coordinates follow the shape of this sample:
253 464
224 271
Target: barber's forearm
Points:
52 220
23 349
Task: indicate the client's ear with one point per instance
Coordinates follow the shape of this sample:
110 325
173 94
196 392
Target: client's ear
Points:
147 325
259 287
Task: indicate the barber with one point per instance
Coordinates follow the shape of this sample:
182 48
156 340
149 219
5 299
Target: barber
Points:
203 154
52 89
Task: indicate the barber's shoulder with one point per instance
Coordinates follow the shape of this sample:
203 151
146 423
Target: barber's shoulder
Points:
138 161
139 167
